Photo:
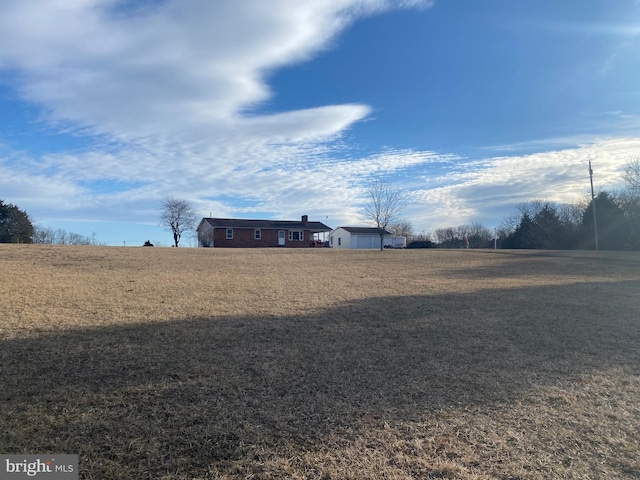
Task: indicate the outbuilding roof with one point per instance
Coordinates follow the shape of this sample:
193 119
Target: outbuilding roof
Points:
365 230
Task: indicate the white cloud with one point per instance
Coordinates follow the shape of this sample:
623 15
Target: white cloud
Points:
173 92
183 67
487 190
444 190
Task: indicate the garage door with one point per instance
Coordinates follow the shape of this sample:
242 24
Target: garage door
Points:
367 242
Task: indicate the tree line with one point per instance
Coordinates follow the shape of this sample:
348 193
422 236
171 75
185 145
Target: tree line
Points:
16 227
540 224
610 221
59 236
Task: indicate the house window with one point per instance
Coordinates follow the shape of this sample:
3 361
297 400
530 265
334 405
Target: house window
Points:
296 235
229 233
257 234
339 241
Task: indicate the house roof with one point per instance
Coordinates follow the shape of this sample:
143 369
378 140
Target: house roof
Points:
365 230
266 224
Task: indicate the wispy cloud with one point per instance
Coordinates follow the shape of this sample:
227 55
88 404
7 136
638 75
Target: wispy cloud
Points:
615 40
188 67
542 144
168 90
443 189
630 29
483 189
173 94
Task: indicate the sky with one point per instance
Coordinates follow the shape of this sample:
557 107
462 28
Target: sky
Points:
274 109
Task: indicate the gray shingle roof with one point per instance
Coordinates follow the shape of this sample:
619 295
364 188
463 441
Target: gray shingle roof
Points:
273 224
364 230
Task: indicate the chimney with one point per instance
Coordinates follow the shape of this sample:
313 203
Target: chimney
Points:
305 218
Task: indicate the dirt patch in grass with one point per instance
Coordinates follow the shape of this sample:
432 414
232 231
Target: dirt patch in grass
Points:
193 364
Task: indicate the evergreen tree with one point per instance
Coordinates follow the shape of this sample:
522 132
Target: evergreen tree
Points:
613 228
524 234
632 214
548 232
15 225
630 201
540 225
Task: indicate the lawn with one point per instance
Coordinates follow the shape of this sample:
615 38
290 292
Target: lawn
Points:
164 363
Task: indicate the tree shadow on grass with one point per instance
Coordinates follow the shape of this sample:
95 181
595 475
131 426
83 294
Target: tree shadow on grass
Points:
544 263
173 398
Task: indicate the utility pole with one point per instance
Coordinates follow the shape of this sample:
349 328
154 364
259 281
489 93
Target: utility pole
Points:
593 206
324 237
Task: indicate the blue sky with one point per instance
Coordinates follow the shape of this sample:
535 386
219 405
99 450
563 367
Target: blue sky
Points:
281 108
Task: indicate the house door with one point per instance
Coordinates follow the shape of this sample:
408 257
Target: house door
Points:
281 238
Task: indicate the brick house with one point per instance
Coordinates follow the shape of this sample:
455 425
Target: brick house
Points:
240 233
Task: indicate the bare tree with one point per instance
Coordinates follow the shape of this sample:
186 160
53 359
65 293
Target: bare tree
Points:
178 216
402 228
384 207
206 238
630 200
631 176
447 237
43 235
452 237
479 236
47 235
531 207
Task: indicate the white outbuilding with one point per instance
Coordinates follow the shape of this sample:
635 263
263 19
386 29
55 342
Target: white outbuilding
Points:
360 237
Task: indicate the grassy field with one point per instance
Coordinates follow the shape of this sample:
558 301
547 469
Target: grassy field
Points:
161 363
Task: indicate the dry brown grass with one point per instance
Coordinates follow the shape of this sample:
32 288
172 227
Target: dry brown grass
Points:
262 364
